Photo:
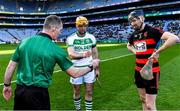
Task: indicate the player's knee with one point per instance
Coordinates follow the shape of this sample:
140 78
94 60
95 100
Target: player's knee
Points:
143 99
77 93
149 106
89 92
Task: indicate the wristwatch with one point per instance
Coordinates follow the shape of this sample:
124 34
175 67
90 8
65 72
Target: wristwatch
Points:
7 84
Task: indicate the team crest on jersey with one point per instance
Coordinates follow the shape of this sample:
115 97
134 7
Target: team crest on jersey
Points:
140 46
145 34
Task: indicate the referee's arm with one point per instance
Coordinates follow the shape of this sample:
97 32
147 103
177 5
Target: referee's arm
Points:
9 72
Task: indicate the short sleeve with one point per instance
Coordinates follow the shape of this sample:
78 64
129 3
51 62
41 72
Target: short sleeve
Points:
69 42
157 34
94 41
62 59
130 39
64 63
16 55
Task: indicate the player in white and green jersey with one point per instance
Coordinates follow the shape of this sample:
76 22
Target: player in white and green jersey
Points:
82 50
81 45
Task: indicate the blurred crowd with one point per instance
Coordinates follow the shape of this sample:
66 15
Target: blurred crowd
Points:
118 32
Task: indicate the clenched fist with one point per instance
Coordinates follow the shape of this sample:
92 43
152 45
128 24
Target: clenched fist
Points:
7 92
95 63
87 54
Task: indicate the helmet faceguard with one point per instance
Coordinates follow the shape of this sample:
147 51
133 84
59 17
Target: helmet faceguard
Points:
135 14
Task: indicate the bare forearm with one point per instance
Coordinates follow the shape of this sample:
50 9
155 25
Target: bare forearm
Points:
77 72
73 54
95 54
131 49
76 55
169 42
9 72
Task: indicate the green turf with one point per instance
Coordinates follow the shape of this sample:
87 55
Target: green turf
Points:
118 91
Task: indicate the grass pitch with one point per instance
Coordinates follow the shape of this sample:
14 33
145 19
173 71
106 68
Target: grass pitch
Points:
118 91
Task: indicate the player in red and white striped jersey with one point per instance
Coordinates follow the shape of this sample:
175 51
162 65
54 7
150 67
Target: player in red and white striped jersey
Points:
143 43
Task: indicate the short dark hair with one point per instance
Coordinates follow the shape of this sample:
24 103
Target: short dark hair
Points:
52 21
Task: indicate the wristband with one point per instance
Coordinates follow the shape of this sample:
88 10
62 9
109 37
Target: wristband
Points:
7 84
91 67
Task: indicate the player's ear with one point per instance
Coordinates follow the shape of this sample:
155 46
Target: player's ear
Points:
142 18
53 29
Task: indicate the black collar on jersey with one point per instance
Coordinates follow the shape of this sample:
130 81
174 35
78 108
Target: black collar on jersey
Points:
140 31
45 35
140 34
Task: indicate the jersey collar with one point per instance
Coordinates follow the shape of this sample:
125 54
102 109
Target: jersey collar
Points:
45 35
77 33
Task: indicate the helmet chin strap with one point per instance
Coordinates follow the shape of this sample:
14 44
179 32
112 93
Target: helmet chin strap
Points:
140 19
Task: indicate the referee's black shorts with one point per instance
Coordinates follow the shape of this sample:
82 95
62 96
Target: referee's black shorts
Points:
31 98
151 86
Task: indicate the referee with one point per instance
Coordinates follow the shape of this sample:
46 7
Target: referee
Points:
36 57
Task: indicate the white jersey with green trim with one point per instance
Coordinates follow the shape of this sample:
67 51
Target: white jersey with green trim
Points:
81 45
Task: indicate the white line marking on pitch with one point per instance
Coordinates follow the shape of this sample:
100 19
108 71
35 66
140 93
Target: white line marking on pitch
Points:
100 61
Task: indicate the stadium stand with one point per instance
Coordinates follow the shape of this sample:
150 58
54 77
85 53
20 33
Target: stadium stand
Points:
23 6
108 18
13 35
67 6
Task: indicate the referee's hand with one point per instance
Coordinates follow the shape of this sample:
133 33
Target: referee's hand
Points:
7 92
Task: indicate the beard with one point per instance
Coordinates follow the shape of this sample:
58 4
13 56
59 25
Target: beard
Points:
82 32
138 28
